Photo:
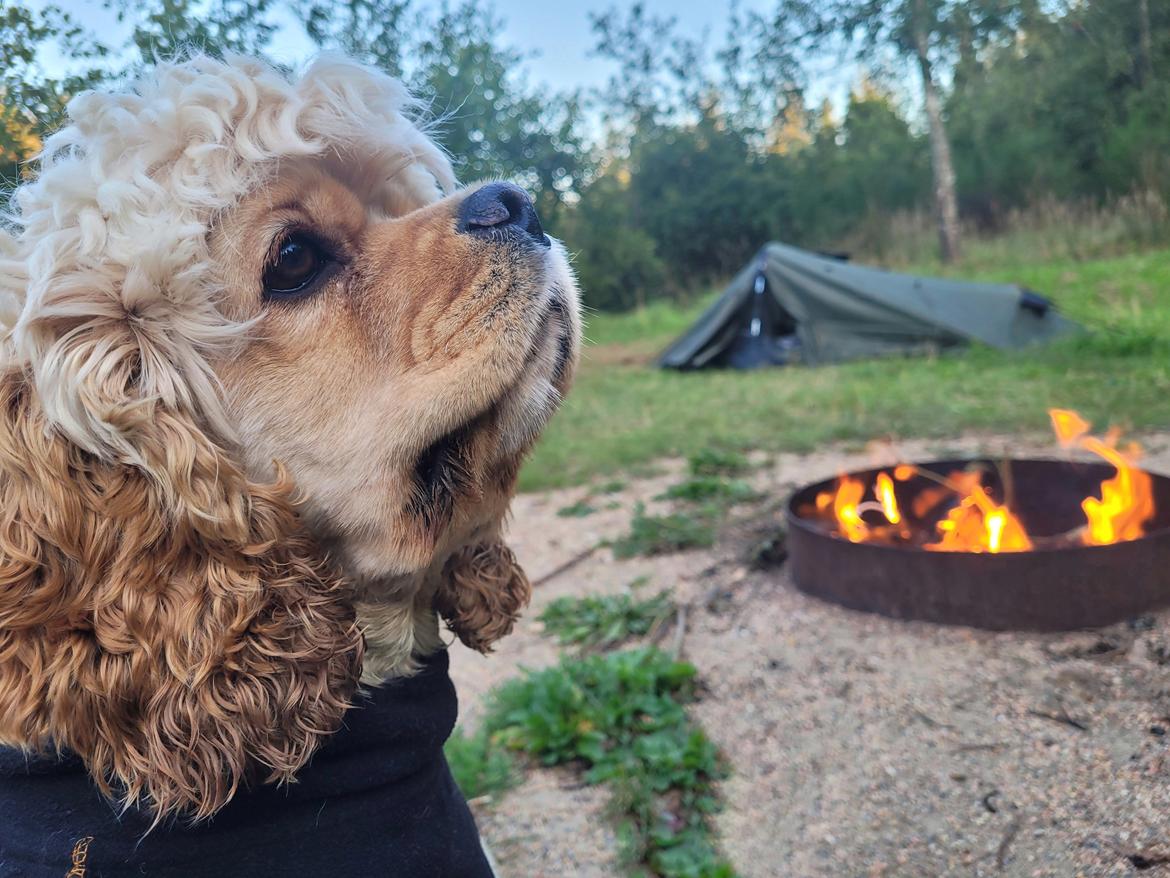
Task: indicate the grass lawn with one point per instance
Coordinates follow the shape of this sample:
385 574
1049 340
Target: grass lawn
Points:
624 413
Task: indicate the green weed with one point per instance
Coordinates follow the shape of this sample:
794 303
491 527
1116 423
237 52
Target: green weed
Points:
710 462
479 764
662 534
620 716
603 621
580 509
701 489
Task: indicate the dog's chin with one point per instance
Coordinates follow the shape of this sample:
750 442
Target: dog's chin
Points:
522 409
467 473
516 418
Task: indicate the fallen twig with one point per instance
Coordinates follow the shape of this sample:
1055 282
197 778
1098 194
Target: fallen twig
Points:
568 565
1009 836
931 721
989 802
1062 718
658 629
680 631
979 745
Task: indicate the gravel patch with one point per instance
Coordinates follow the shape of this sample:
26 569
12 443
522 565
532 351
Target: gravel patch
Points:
549 827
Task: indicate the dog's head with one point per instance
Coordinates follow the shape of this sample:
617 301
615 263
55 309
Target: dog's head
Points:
268 364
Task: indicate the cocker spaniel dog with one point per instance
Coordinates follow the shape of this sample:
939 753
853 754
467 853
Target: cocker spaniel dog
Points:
267 383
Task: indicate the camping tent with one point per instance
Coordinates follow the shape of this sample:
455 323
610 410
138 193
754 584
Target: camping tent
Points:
792 306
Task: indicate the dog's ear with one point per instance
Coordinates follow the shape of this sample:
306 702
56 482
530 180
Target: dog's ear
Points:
482 594
168 620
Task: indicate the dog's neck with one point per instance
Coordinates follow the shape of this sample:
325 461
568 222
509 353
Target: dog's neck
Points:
399 623
397 637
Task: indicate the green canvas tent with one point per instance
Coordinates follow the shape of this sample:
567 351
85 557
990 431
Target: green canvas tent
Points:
792 306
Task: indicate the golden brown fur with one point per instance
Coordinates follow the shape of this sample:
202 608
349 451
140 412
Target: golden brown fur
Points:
220 509
174 635
483 593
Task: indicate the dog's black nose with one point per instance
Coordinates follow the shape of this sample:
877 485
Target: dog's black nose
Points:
497 207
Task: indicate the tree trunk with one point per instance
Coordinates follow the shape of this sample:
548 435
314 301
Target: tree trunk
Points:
945 200
1145 44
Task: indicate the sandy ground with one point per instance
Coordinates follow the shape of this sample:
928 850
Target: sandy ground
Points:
859 745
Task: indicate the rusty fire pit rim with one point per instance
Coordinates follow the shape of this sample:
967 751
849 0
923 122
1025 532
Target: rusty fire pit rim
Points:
795 519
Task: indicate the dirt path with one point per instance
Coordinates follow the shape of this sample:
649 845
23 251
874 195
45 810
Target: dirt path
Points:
859 745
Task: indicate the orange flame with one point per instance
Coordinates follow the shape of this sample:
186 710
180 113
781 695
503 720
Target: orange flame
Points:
903 472
885 494
1068 426
978 523
845 503
1127 499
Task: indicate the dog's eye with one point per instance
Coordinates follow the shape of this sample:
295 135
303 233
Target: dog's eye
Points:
297 264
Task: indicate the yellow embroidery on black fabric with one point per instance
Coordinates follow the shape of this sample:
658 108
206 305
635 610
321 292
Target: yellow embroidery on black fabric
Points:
80 854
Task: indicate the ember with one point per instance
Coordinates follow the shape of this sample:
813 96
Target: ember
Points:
965 511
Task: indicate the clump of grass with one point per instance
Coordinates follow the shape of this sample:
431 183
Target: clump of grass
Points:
662 534
700 489
580 509
612 486
620 715
604 621
479 764
718 462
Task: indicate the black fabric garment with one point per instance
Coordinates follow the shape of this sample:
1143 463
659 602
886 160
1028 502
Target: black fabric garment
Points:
377 800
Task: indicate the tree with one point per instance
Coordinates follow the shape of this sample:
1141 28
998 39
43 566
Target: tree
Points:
920 23
485 115
168 28
32 104
373 31
617 261
928 33
664 78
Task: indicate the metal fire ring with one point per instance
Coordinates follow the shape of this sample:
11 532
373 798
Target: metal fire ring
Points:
1047 589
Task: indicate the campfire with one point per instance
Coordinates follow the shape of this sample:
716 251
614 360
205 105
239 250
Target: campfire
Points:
1057 544
974 509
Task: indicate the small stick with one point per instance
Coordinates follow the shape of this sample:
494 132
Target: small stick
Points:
1061 717
680 631
931 721
979 745
1008 837
658 627
1007 480
568 565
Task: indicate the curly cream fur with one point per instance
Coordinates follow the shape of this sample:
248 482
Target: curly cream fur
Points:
113 229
